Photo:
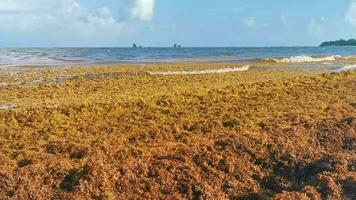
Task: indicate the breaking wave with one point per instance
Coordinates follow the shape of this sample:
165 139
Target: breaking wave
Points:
303 59
348 67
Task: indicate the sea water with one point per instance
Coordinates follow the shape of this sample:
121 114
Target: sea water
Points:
80 56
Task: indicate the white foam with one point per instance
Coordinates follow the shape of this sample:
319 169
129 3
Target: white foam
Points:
207 71
304 59
349 57
348 67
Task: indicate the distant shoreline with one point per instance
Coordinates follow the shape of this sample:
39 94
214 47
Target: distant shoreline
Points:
340 43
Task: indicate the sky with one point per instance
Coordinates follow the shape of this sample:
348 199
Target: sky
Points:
159 23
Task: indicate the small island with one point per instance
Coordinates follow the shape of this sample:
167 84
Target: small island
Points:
341 42
134 45
177 46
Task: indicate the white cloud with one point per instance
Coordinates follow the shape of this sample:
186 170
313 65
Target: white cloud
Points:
104 12
143 10
350 16
315 27
68 20
250 22
14 6
55 13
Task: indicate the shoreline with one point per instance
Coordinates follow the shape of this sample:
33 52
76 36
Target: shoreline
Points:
297 59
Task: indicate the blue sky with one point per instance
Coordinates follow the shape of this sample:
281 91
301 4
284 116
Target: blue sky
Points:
37 23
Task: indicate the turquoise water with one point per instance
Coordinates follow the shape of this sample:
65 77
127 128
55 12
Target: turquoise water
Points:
66 56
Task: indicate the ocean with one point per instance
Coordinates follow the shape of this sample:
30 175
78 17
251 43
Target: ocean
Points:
82 56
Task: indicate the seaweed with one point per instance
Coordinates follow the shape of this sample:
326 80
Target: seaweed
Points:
121 133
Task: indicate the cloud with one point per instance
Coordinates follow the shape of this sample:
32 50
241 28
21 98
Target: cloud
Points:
250 22
52 13
143 10
350 16
17 6
315 27
68 21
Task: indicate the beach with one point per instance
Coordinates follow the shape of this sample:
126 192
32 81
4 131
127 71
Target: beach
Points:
177 100
179 131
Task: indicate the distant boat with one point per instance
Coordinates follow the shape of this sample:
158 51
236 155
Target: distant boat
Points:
177 46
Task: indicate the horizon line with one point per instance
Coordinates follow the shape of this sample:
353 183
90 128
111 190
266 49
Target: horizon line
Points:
182 47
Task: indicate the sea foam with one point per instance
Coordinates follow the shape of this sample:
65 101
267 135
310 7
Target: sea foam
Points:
206 71
304 59
348 67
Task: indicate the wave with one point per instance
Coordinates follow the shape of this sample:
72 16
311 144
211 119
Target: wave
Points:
348 67
303 59
344 68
